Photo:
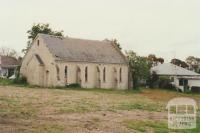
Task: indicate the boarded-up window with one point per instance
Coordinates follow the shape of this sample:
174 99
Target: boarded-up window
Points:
104 74
38 42
66 71
86 74
58 72
183 82
120 75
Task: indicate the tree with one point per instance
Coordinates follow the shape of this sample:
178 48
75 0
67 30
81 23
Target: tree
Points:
5 51
40 28
194 63
114 41
154 61
153 80
139 68
179 63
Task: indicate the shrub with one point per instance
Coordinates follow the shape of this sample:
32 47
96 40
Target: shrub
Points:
74 85
153 80
165 83
5 81
20 80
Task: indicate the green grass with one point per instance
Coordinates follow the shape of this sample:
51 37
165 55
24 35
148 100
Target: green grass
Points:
43 110
4 82
80 106
145 126
152 107
12 107
8 82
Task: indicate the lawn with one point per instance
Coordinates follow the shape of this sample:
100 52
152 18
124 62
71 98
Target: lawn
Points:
37 110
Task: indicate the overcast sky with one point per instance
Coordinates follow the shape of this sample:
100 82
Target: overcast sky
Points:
167 28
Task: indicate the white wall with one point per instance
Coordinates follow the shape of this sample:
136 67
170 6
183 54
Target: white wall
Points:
191 82
92 73
50 65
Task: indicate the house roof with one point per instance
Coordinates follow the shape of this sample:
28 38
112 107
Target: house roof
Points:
7 61
81 50
172 70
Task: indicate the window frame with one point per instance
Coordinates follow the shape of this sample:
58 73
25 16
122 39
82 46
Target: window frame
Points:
86 74
104 74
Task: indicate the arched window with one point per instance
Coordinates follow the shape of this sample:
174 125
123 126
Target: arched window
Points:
38 42
104 74
66 72
120 75
58 72
86 74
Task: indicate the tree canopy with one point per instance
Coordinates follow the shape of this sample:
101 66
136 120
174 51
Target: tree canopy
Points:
194 63
179 62
40 28
5 51
139 68
154 61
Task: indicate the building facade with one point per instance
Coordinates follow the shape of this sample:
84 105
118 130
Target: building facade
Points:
59 61
8 66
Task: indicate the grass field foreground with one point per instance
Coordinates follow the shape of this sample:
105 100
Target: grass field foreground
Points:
41 110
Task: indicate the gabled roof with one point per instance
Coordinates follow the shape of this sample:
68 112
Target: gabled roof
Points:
7 61
172 70
81 50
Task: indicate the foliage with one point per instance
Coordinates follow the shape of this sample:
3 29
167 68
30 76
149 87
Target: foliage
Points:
179 63
5 51
5 82
165 83
154 61
114 41
40 28
153 80
139 68
193 63
20 80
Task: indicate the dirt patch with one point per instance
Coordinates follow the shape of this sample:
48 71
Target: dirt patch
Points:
56 111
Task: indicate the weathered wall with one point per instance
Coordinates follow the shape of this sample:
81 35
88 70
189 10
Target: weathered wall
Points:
191 82
48 60
194 82
46 75
92 82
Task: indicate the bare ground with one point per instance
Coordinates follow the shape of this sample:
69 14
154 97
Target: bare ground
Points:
78 111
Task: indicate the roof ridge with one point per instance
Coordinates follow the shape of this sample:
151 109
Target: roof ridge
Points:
67 37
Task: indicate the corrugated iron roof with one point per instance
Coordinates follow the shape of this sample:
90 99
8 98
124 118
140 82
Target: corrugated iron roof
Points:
171 69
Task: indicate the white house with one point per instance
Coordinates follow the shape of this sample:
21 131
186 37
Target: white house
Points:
180 77
57 61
